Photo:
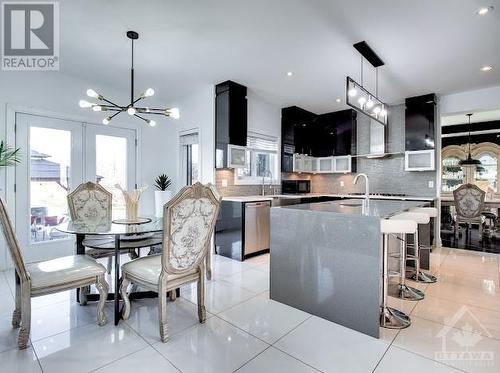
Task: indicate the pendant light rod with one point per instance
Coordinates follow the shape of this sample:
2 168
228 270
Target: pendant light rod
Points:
469 115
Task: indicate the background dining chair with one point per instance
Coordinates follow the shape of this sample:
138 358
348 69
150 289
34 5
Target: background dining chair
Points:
91 204
188 223
469 204
47 277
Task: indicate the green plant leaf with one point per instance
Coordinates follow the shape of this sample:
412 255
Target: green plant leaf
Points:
8 155
162 182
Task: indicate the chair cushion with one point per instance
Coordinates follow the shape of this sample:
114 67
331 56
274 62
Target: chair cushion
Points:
148 269
63 270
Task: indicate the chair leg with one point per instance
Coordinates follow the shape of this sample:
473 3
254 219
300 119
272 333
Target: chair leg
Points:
202 312
102 287
16 315
83 295
208 264
126 301
173 295
162 308
24 332
110 264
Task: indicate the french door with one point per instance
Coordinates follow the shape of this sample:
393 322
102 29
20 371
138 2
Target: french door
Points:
58 155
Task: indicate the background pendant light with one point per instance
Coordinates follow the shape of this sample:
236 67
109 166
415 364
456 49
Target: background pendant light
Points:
469 161
132 109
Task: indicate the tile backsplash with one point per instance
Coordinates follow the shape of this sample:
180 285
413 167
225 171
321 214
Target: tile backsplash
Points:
224 181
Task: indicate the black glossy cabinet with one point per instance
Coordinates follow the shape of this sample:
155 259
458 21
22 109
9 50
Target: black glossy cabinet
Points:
230 119
296 137
335 134
420 119
325 135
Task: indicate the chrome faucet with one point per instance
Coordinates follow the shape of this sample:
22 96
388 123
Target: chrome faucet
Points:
270 175
366 201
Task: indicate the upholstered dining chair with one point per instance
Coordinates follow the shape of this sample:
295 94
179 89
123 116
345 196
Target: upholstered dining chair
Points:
47 277
91 204
188 223
469 204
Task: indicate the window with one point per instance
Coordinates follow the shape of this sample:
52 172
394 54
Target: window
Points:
189 148
486 173
262 161
452 174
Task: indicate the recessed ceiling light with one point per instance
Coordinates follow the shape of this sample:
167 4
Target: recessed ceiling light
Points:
484 10
486 68
290 73
338 100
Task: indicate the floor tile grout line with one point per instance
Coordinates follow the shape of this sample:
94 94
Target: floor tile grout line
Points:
120 358
37 358
427 358
244 331
171 362
286 353
251 359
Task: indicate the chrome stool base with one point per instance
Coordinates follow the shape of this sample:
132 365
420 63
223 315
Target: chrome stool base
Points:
422 277
406 292
392 318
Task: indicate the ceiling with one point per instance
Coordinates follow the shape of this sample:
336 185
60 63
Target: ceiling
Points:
427 45
478 117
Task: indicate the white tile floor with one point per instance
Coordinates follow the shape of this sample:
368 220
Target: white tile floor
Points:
457 326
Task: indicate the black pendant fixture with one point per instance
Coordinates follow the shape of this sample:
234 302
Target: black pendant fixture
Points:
131 108
469 161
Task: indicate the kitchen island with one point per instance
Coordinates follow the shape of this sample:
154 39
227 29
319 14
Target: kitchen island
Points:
326 259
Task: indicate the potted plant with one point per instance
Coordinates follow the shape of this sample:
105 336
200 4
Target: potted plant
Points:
8 156
162 195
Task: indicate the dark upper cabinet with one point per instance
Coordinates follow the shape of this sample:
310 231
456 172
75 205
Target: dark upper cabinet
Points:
335 134
317 135
230 119
420 119
296 124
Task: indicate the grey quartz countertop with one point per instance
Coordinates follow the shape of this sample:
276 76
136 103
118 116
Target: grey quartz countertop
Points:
378 208
298 196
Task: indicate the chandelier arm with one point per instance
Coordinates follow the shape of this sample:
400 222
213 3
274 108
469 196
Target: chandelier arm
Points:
137 100
111 102
148 109
115 114
144 119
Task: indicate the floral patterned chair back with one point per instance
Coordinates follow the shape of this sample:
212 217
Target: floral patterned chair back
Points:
12 243
469 201
90 204
188 223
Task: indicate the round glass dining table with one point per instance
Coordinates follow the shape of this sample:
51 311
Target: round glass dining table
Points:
123 235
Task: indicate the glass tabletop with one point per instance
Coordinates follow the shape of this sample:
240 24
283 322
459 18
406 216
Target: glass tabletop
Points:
76 227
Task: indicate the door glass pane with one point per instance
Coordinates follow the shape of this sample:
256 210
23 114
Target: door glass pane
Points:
50 162
194 164
111 168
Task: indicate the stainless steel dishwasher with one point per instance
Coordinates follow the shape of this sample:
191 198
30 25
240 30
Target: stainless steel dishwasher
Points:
257 227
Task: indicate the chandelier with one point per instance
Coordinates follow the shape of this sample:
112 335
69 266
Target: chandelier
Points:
358 97
469 161
106 105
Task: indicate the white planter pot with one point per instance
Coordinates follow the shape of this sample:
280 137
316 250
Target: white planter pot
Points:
161 198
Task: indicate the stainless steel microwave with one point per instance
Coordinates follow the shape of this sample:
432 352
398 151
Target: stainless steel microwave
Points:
295 186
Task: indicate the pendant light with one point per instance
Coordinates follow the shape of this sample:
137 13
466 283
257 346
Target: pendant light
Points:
131 108
469 161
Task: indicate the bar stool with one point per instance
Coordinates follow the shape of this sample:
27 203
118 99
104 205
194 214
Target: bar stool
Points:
427 278
392 318
404 291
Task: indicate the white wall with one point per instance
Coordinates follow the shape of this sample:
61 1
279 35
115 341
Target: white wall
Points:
263 117
476 100
197 113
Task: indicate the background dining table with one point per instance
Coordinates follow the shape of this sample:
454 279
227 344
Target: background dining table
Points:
118 235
